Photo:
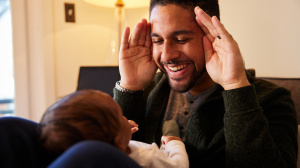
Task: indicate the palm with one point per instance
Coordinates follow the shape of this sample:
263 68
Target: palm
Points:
136 63
223 59
225 64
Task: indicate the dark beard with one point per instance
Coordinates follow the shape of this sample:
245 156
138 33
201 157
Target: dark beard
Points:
182 89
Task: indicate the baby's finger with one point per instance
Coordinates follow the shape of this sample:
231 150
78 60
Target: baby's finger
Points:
134 129
132 123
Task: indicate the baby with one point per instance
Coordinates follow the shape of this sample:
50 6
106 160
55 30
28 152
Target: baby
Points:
94 115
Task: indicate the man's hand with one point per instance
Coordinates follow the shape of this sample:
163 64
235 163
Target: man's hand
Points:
136 64
223 58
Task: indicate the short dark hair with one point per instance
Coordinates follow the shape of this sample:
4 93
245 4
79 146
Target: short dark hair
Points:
77 117
211 7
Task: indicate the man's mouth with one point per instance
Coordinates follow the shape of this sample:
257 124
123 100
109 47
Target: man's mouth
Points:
177 68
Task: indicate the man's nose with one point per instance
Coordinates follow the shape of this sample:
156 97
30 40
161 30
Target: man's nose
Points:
169 52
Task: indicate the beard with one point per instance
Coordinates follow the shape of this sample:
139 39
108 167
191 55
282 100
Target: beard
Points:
184 87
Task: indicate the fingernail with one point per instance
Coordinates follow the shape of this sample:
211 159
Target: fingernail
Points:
197 8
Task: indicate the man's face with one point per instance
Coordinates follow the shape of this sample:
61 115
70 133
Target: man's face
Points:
177 45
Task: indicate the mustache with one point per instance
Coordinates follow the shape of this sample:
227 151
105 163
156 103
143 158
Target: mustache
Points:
169 62
174 62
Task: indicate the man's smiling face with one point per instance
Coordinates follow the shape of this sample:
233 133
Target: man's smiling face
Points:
177 45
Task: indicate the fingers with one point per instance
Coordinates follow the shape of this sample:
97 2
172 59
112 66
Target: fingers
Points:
140 34
148 37
135 35
208 49
142 37
211 26
125 37
134 129
134 126
222 32
132 123
203 21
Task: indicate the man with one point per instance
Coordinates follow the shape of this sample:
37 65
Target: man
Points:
227 118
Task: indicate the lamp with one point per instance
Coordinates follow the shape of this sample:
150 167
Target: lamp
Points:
119 16
127 3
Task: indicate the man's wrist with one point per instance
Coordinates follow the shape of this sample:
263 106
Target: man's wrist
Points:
124 90
236 85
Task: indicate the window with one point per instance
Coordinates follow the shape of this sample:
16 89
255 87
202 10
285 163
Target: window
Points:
6 61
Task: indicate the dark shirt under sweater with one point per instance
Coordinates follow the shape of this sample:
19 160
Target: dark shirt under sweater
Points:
181 105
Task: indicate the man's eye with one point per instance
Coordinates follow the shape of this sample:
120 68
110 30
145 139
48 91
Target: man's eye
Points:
183 40
157 41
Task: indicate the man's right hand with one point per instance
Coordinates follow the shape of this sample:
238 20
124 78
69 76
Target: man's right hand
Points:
136 63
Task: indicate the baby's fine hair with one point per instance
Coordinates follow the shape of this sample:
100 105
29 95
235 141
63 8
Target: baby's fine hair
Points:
82 115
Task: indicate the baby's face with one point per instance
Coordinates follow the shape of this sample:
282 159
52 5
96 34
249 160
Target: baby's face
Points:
125 128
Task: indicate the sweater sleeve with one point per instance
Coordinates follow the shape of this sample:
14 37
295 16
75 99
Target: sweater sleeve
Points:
133 107
130 104
260 132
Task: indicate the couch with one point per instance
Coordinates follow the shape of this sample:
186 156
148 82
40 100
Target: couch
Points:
293 85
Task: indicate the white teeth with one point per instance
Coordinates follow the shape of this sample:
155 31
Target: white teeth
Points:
177 68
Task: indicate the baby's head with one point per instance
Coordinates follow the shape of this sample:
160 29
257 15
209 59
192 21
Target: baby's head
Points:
84 115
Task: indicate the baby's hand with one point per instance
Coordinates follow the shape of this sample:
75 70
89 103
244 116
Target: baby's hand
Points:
166 139
134 126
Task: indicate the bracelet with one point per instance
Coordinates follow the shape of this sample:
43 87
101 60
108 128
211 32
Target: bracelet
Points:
124 90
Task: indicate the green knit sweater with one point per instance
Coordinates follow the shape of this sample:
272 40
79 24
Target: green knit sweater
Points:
253 126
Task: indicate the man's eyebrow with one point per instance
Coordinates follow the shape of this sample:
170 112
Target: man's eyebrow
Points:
182 32
154 35
175 33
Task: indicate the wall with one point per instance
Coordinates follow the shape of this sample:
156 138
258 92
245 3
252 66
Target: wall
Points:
266 31
85 42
